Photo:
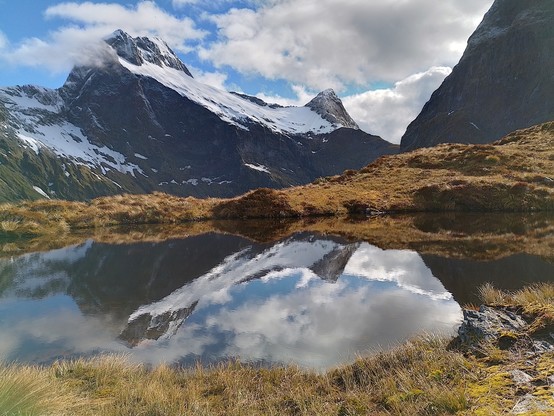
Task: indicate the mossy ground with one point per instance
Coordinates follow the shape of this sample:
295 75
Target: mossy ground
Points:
499 391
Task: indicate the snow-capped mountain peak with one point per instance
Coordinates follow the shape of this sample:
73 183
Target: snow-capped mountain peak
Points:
152 58
329 106
141 50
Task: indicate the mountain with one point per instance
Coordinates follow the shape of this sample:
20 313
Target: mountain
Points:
503 82
303 251
139 122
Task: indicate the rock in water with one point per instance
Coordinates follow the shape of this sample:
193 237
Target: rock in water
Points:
504 81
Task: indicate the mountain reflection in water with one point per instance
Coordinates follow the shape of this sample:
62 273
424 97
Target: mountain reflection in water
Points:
308 299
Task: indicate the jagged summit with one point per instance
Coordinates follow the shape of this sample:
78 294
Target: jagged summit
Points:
329 106
151 58
143 49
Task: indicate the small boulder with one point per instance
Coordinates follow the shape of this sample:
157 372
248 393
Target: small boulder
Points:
521 378
488 324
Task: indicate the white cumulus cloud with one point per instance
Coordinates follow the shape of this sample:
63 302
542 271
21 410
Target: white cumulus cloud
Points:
145 19
333 43
80 42
387 112
302 96
61 51
215 79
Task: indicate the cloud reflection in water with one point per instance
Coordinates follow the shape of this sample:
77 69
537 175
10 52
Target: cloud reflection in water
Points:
260 303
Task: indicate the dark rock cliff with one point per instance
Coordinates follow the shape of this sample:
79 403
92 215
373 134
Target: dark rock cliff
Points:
503 82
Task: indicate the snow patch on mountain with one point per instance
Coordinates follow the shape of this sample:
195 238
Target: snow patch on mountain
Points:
41 192
258 167
232 108
35 116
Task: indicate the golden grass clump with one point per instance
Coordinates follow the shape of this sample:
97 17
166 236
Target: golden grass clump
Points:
261 203
30 391
533 298
9 225
492 296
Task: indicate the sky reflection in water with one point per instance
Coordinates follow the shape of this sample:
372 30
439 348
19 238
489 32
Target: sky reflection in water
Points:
308 299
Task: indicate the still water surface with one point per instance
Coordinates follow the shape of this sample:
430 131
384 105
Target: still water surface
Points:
308 299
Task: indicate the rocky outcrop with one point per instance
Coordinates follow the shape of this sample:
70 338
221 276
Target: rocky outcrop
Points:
516 344
503 82
488 324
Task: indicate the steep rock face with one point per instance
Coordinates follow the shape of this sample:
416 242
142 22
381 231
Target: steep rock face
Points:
141 123
503 82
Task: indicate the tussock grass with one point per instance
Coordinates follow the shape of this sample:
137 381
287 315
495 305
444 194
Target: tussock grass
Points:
420 377
491 296
9 225
29 391
261 203
537 298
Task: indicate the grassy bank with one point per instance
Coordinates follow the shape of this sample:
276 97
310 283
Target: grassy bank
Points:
478 236
513 174
424 377
418 378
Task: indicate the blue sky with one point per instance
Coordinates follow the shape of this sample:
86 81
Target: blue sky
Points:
383 57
